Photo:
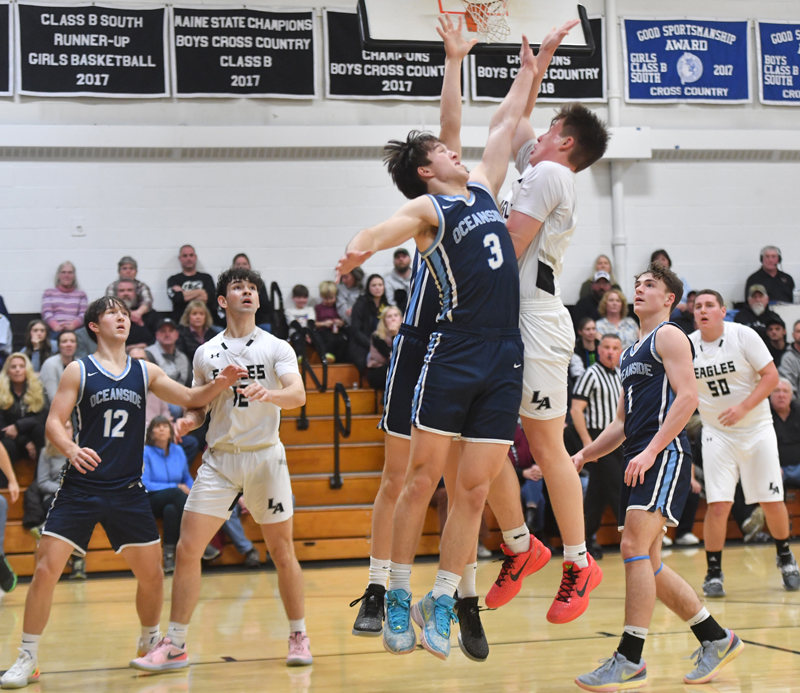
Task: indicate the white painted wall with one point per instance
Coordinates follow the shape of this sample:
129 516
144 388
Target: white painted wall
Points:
293 217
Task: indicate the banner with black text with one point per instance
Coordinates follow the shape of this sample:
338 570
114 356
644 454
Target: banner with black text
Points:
686 61
254 53
779 63
91 50
6 55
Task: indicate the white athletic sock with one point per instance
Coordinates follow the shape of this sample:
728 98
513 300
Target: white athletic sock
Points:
636 632
518 540
30 643
446 584
466 588
297 626
177 633
699 617
150 636
400 576
577 554
378 571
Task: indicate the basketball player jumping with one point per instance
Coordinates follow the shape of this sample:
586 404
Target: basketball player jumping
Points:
244 456
659 395
736 374
102 482
540 214
472 372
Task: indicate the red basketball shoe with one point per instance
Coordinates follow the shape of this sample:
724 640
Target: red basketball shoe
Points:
573 595
516 566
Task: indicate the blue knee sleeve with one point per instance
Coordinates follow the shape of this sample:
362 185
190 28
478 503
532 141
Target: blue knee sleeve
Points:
636 558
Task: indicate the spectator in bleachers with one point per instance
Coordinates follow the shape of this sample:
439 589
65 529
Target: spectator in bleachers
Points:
6 338
23 409
686 319
779 285
48 476
300 312
585 349
64 304
380 348
589 307
141 305
756 313
195 328
190 285
86 345
8 579
790 363
531 481
165 354
140 335
398 282
365 320
234 530
329 325
53 368
3 309
168 482
264 316
601 264
661 256
37 345
350 287
786 418
594 405
776 338
614 311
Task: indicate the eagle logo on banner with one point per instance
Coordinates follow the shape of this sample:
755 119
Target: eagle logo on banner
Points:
690 68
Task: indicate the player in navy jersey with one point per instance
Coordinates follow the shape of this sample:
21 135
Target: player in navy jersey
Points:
659 395
102 481
471 384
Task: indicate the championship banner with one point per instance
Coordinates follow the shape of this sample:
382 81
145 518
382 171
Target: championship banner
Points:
243 53
686 61
91 50
6 61
779 63
352 72
569 77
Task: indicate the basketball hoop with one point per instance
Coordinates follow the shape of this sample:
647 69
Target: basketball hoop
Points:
488 18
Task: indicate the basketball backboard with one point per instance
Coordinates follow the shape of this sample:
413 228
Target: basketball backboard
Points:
410 25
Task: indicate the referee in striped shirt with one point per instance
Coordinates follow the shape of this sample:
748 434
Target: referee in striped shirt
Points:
594 403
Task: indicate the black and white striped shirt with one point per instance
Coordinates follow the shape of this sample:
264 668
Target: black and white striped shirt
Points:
600 387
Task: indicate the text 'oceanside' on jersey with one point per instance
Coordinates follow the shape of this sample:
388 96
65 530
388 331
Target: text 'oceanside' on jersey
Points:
474 220
637 368
116 394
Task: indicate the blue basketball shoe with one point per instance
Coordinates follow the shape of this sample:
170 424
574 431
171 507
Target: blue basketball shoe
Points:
434 617
398 633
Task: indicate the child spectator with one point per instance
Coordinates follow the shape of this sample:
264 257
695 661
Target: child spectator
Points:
301 312
329 324
37 346
380 348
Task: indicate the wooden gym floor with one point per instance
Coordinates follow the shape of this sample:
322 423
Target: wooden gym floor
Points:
238 636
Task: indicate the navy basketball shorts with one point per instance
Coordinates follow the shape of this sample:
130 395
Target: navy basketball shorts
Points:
126 517
666 486
408 357
471 384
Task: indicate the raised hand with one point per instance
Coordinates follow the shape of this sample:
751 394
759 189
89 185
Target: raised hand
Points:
526 58
455 45
552 41
349 261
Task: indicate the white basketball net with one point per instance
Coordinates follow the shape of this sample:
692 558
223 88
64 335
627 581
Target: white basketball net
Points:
490 17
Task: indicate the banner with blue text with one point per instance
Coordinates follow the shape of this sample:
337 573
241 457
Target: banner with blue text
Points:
686 61
779 62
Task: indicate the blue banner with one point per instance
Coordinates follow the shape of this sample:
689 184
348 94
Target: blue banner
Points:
779 62
686 61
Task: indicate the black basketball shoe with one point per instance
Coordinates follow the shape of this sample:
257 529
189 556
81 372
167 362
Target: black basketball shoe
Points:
471 638
369 622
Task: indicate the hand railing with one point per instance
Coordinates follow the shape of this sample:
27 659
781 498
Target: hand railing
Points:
339 429
299 338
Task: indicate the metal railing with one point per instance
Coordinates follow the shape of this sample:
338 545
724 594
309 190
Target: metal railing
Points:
305 367
339 429
279 327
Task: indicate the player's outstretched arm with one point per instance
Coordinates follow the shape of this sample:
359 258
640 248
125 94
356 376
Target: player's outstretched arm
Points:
608 441
164 387
676 353
456 48
292 395
415 218
66 397
550 44
769 381
494 166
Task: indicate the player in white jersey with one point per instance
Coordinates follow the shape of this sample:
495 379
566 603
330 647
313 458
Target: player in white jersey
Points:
244 456
540 215
736 374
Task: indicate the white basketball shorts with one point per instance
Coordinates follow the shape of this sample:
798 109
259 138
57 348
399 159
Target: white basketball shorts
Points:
751 455
549 340
261 476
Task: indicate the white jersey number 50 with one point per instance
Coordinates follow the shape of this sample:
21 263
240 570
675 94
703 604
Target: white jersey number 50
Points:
491 241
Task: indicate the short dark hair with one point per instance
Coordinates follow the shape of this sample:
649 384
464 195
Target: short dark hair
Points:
126 281
583 322
237 274
611 335
237 256
404 158
666 275
299 291
63 332
97 308
590 133
716 294
658 252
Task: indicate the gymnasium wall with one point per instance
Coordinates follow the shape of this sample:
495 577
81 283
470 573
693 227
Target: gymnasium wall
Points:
293 209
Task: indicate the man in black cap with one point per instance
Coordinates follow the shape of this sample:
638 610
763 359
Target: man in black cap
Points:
165 354
756 313
776 338
398 281
587 306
